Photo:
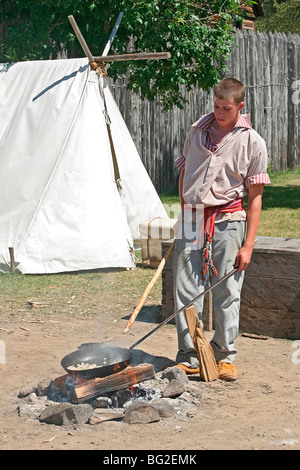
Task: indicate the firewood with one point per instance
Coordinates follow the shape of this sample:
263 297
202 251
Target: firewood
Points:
254 336
59 384
207 363
124 379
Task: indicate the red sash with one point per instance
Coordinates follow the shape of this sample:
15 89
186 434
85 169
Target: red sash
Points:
210 214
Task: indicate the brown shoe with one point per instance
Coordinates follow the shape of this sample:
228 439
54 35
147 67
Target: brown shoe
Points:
227 371
188 370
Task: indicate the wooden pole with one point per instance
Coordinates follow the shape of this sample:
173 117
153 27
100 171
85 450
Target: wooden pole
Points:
113 58
112 35
81 39
149 287
12 259
133 56
210 311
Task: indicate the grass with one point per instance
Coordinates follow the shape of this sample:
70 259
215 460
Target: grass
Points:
280 215
84 294
102 294
115 293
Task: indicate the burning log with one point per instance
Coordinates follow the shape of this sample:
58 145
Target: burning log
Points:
126 378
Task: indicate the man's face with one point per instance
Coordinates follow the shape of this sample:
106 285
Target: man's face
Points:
227 112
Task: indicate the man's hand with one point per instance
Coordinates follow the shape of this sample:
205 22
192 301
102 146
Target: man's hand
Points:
243 258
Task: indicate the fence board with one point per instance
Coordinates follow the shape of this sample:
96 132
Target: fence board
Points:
269 67
293 106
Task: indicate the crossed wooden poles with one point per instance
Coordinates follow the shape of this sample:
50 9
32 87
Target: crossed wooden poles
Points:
113 58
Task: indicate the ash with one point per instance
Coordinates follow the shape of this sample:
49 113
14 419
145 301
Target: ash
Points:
170 394
122 398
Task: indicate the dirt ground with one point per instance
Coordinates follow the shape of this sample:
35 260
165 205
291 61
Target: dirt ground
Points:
258 411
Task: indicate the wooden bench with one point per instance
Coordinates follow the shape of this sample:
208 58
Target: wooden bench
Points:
270 301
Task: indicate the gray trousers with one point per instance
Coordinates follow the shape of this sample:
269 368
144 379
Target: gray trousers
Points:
228 239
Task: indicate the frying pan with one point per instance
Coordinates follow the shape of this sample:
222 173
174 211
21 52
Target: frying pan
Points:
111 359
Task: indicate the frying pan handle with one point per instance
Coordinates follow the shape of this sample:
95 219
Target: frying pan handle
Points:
184 307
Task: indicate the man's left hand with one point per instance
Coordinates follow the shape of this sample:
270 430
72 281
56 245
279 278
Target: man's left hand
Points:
243 258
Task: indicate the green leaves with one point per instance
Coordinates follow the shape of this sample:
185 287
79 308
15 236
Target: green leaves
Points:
281 16
197 35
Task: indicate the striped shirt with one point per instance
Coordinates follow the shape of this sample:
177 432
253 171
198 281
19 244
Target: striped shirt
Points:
216 174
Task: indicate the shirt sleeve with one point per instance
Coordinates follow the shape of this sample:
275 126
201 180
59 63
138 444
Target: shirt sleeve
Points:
257 171
261 178
180 161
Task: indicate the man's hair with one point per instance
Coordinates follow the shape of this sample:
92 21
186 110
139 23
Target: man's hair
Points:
228 88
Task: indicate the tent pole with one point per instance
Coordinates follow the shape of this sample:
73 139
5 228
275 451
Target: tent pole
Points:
12 259
105 52
113 33
81 39
133 56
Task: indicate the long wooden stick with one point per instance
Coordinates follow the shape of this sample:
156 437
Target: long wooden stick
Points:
113 58
148 288
112 35
12 259
133 56
81 39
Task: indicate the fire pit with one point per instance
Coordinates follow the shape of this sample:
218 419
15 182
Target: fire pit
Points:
134 395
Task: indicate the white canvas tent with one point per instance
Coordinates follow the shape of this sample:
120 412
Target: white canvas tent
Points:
60 206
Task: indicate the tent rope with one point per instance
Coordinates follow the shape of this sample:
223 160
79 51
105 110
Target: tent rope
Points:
99 67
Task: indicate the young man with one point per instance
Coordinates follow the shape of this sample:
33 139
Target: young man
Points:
223 160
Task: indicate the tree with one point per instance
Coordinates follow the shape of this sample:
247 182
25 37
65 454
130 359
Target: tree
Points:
280 15
198 35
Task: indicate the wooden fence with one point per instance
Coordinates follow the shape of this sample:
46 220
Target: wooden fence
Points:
269 67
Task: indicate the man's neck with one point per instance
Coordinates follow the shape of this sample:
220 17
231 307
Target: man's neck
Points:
219 132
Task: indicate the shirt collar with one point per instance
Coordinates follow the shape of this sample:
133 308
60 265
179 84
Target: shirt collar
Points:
205 121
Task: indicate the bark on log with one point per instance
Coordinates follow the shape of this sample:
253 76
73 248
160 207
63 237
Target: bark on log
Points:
124 379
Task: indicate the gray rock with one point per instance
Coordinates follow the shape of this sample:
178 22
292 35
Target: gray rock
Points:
173 389
42 388
164 408
99 415
66 413
31 411
175 373
140 412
